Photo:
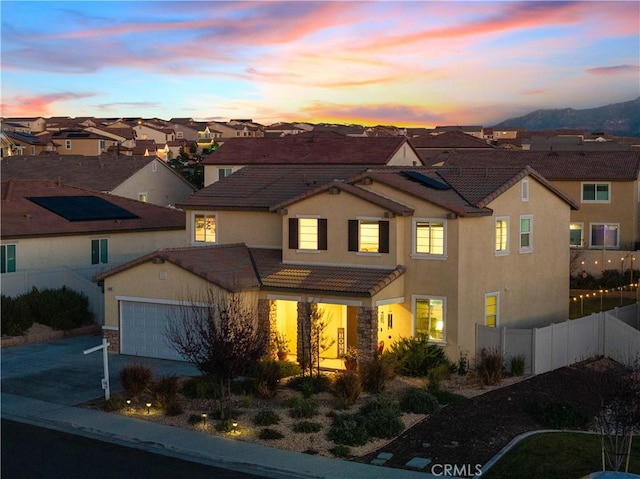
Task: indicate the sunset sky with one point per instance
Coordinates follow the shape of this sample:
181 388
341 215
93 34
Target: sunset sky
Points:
413 63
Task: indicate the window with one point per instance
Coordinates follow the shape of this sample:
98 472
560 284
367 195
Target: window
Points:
502 236
8 253
33 150
142 197
369 236
309 234
67 144
491 309
526 234
99 251
576 239
524 192
604 235
204 228
429 237
179 135
595 192
429 316
154 166
224 172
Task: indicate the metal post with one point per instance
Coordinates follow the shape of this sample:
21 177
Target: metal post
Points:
105 363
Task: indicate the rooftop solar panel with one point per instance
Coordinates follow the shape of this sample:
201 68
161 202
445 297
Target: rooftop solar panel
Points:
83 208
425 180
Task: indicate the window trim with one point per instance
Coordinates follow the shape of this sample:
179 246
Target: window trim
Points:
581 245
4 253
506 251
414 301
195 242
67 144
592 246
101 254
525 249
414 239
495 294
596 184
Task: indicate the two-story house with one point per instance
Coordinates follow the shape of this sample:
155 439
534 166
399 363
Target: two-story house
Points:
161 135
81 142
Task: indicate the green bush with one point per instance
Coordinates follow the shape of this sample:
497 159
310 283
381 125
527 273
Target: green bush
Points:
60 308
200 387
135 379
347 387
266 417
174 407
115 403
307 427
226 425
447 397
349 430
418 401
195 419
375 374
340 450
165 390
288 369
270 434
309 385
16 316
517 365
266 376
416 356
560 415
489 367
382 417
304 408
436 375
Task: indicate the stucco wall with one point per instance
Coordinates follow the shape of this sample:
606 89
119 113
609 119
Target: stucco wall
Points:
162 187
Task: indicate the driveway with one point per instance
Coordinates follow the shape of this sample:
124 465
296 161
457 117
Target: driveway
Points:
59 372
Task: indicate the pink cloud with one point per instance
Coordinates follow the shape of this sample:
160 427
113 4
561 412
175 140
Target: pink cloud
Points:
614 70
534 92
22 105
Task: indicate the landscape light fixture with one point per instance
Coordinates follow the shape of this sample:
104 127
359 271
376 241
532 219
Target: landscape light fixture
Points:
148 408
235 426
129 404
204 418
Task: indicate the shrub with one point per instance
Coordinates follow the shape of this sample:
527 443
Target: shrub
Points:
436 375
174 407
195 419
375 374
288 369
266 417
348 429
307 427
200 387
612 278
561 415
60 308
347 387
270 434
305 408
266 375
447 397
415 356
382 418
309 385
489 367
115 403
135 379
463 364
418 401
225 425
517 365
165 390
16 316
340 450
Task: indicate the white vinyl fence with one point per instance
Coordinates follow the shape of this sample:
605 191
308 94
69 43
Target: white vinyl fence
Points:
14 284
614 334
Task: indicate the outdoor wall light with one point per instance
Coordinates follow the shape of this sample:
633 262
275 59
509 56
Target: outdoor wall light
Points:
148 408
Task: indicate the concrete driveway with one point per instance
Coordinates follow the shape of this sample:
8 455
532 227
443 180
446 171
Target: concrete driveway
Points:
59 372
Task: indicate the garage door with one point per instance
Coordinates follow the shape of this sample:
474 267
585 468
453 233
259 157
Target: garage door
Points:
143 329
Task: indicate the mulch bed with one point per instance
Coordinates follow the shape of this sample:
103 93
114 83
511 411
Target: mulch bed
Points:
473 431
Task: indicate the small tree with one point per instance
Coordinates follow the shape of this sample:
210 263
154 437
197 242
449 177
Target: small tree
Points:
314 339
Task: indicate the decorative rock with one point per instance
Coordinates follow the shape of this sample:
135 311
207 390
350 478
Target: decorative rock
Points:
385 455
426 444
378 462
418 462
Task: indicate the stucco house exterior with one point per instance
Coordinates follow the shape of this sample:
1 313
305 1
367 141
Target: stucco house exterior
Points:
385 253
142 178
81 142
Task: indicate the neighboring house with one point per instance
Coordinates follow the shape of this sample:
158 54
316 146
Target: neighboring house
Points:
125 137
145 148
431 144
236 129
24 144
81 142
282 129
473 130
385 252
346 130
604 184
309 148
140 178
187 128
158 134
31 124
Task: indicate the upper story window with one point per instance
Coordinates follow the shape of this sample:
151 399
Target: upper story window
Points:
142 197
100 251
308 234
526 233
67 144
604 235
8 258
502 236
576 235
524 191
179 135
224 172
204 228
430 319
369 236
596 192
429 237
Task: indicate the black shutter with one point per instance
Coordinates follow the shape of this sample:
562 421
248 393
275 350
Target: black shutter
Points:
322 234
353 235
383 236
293 233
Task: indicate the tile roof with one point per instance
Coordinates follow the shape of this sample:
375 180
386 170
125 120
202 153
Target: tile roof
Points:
98 173
554 166
25 137
450 139
239 268
307 149
259 187
22 218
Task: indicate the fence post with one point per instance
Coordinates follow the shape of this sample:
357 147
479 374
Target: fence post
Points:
534 340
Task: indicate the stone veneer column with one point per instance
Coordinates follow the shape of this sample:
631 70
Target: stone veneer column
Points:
304 324
267 319
367 333
113 338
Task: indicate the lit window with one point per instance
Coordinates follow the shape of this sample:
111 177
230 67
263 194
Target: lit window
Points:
526 234
429 237
491 309
604 235
142 197
595 192
502 236
8 261
99 251
204 228
575 235
308 233
430 318
369 237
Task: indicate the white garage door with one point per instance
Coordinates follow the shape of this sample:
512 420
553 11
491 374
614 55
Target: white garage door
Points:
143 329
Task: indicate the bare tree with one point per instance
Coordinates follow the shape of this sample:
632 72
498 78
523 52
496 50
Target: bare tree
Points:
314 338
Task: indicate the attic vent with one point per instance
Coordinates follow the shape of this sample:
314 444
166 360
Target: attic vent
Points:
425 180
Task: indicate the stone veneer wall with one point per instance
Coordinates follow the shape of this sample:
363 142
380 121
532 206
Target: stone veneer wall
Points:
113 337
367 333
267 318
304 324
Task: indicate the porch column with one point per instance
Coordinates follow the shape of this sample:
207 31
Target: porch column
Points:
113 338
367 333
267 319
304 331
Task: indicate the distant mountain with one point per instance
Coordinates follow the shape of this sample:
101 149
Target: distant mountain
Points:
619 119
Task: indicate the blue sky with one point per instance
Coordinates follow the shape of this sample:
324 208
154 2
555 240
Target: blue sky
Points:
414 63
